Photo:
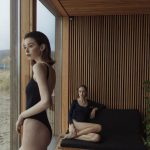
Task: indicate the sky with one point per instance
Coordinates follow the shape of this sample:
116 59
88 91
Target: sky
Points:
4 24
45 23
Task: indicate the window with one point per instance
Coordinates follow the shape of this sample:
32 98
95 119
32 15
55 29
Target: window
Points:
5 74
46 24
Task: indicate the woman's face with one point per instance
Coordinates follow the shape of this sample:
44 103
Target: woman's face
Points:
82 92
32 49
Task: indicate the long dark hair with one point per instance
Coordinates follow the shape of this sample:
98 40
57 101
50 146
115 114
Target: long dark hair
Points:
41 38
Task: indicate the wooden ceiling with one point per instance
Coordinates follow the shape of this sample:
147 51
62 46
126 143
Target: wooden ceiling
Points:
104 7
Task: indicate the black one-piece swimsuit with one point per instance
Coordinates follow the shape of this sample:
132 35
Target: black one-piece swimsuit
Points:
32 98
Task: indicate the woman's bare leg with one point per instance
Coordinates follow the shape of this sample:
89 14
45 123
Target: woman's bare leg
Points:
85 131
33 140
86 128
90 137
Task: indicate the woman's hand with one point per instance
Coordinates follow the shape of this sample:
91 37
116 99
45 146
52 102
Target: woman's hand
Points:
93 112
19 123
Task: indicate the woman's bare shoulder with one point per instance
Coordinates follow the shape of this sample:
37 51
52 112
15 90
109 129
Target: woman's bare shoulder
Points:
39 68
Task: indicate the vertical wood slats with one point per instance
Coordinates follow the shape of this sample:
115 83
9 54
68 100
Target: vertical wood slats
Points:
65 67
111 55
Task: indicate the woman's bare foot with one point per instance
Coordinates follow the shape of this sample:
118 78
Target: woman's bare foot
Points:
70 135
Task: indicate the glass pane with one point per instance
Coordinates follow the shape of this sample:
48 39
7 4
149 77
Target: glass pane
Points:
46 24
5 75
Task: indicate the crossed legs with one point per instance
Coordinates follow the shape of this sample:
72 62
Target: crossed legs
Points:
87 131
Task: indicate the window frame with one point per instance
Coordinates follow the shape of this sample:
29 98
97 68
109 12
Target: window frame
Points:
58 65
14 71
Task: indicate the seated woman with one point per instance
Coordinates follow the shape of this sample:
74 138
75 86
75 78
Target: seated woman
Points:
80 112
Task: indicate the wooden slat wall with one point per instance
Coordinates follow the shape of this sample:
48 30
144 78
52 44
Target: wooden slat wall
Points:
111 55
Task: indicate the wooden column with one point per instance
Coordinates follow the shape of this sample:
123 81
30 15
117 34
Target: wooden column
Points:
65 50
14 77
27 21
27 25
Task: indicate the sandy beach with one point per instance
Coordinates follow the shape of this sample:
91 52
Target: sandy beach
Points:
4 121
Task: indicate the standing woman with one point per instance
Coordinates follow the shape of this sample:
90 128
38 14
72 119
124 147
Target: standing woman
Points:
37 131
